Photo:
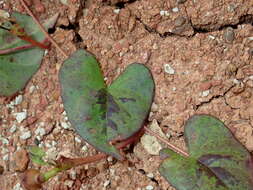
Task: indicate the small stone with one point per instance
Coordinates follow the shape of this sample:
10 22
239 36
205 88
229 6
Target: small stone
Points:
84 148
78 140
235 81
150 175
32 88
109 159
116 11
162 12
65 2
175 9
229 35
40 131
155 46
13 128
17 187
26 135
65 125
179 21
4 140
18 100
20 116
151 144
72 174
205 93
168 69
6 157
154 107
106 183
149 187
21 160
211 37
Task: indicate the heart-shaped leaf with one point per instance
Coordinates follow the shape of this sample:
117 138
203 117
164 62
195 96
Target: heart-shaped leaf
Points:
217 160
100 113
17 68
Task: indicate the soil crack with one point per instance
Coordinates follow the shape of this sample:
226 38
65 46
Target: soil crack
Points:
196 107
244 19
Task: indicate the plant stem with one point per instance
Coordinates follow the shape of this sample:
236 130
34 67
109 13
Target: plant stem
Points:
51 173
43 30
15 49
171 146
12 50
68 163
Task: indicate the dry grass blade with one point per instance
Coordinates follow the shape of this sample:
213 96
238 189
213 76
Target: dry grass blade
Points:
171 146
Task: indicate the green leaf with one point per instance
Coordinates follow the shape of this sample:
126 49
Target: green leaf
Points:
100 113
17 68
36 155
217 160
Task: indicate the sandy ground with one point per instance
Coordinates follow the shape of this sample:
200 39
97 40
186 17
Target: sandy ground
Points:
200 54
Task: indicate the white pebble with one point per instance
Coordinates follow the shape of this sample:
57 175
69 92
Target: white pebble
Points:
54 143
168 69
26 135
4 140
106 183
78 140
235 81
6 157
205 93
84 148
20 116
116 11
65 125
18 99
150 175
72 174
109 159
40 131
211 37
13 128
175 9
174 88
17 187
164 13
149 187
31 89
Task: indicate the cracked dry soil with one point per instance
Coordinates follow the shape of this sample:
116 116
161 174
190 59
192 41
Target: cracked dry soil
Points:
200 54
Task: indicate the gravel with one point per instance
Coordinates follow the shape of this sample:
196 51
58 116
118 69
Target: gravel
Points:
26 135
20 116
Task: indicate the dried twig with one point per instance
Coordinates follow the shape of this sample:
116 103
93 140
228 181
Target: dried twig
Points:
43 30
171 146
